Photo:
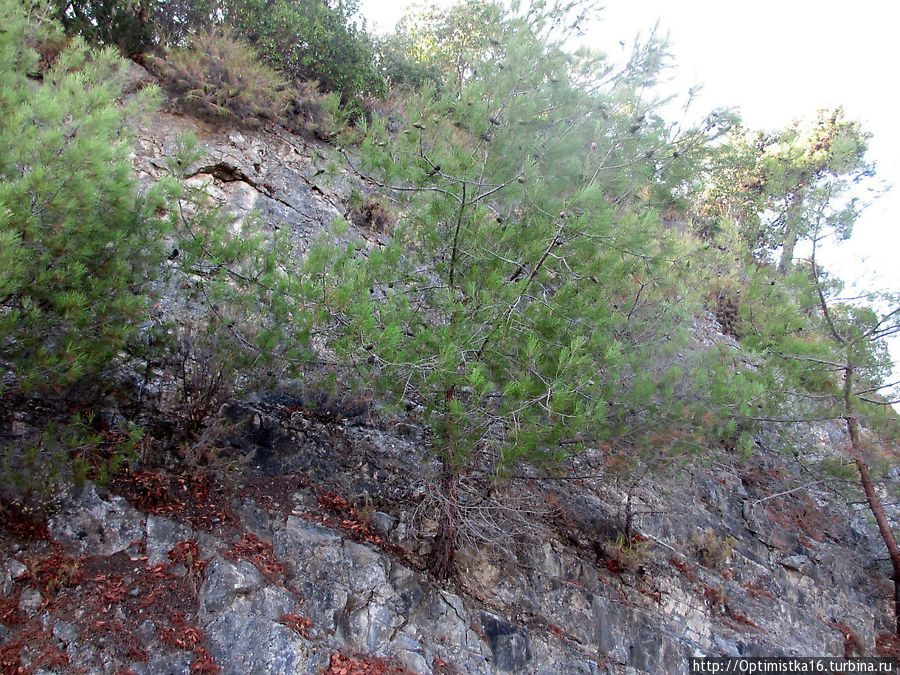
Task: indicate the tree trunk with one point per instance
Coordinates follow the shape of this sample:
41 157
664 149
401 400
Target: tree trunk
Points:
872 498
875 506
445 543
792 232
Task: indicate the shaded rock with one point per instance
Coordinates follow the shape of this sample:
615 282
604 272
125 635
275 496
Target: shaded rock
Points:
509 643
383 522
255 520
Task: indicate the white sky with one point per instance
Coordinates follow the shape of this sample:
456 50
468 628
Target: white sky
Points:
775 61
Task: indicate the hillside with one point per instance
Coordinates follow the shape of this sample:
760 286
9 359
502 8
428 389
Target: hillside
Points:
501 377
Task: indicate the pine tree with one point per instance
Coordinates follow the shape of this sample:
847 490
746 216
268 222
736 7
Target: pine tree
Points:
774 184
77 243
854 364
529 299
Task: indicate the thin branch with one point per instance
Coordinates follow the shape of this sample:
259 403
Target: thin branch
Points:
399 188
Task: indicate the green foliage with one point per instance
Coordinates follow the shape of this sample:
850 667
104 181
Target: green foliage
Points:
318 41
400 68
79 244
220 77
779 186
531 300
311 40
443 47
111 23
83 266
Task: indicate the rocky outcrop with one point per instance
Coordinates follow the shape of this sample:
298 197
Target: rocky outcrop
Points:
279 572
319 547
287 181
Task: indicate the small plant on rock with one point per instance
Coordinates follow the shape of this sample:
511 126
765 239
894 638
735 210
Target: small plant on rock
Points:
625 555
712 551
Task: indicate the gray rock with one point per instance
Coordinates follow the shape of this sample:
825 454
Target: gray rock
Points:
410 654
444 626
631 637
175 663
67 633
162 535
509 643
247 644
30 601
798 563
136 78
146 632
367 624
316 555
727 647
273 602
255 520
17 570
227 581
383 522
94 526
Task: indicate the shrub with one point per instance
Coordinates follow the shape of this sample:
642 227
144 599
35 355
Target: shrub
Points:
311 41
220 77
310 112
319 41
624 555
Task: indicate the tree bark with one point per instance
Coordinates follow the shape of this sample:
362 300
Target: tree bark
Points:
792 232
872 498
445 544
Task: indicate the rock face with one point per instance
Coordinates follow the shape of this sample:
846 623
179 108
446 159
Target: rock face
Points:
289 572
282 178
318 550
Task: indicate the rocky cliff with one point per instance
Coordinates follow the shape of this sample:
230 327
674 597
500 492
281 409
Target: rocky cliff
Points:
310 557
